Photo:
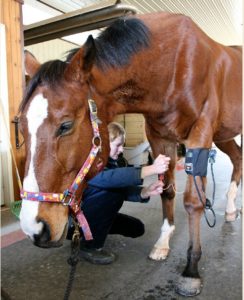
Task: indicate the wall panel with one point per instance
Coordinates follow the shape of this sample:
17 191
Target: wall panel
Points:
54 49
11 17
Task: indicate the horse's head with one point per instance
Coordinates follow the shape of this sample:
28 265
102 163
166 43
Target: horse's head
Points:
58 132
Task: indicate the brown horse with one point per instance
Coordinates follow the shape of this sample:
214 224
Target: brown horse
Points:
187 86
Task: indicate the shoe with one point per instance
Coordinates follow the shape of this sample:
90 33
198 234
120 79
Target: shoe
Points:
97 256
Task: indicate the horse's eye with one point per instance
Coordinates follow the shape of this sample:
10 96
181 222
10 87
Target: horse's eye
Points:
64 128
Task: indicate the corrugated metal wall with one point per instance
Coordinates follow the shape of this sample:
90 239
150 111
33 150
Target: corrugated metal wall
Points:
54 49
220 19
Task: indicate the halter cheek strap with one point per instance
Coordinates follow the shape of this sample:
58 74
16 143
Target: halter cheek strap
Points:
68 197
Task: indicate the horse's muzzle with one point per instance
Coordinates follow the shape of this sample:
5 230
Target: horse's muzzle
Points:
43 239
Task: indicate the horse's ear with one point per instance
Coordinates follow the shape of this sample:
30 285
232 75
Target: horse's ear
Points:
89 53
82 62
31 64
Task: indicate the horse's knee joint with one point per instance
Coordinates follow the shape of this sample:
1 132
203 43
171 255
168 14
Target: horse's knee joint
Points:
193 207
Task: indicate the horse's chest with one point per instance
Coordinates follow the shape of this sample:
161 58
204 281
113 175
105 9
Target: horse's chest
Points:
170 127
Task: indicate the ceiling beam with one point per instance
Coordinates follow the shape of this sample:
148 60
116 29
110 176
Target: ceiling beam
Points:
74 22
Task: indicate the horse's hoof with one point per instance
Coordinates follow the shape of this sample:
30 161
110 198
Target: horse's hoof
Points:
188 286
159 253
231 217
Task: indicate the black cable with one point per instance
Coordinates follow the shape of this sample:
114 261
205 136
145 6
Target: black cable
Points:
214 183
207 206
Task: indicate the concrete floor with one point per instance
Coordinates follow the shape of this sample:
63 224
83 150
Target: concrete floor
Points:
30 273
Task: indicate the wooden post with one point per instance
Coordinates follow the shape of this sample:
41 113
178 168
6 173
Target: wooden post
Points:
11 17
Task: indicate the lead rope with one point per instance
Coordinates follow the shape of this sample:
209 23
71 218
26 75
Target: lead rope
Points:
73 260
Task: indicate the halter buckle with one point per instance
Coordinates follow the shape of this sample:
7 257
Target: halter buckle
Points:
67 198
97 141
92 106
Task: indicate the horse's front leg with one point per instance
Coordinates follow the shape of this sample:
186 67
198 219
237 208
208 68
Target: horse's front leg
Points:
190 282
161 248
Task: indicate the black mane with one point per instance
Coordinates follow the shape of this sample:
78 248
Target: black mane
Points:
114 48
116 44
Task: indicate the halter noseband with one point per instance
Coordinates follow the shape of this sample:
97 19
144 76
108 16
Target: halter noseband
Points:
68 198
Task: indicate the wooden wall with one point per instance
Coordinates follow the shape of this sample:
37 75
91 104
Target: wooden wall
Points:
11 17
134 125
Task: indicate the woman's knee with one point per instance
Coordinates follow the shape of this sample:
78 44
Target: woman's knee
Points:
139 229
127 226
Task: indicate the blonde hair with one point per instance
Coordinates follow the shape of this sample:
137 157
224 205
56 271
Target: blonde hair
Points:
115 130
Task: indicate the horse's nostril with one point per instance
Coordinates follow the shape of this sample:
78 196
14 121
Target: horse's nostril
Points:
43 237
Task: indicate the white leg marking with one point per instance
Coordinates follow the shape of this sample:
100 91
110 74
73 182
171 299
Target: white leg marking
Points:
231 197
161 249
36 114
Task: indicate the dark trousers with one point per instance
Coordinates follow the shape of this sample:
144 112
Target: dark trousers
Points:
103 218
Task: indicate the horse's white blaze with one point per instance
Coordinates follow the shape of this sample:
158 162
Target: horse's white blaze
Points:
160 250
36 114
231 197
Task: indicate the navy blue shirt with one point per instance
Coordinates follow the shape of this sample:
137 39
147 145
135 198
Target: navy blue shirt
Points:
114 179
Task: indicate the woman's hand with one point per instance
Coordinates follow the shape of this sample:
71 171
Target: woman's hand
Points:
153 189
159 166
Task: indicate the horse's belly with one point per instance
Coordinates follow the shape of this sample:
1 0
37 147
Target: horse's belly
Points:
226 134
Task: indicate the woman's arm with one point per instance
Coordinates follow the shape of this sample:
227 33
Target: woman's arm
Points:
159 166
143 194
129 176
117 178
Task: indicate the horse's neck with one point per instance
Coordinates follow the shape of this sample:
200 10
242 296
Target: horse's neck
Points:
122 103
118 94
